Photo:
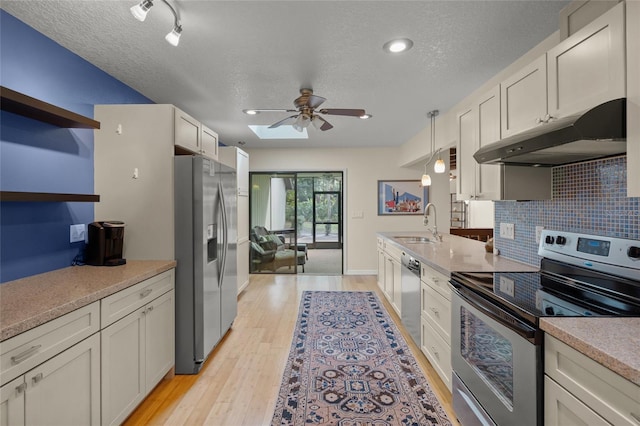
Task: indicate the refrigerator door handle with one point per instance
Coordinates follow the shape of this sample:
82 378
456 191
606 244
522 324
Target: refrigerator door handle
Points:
224 234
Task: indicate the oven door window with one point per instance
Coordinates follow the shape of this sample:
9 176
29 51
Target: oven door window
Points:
489 353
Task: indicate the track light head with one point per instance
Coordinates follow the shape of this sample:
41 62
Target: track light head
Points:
140 10
173 38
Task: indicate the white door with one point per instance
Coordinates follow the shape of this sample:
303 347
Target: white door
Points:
523 96
159 337
122 367
467 146
488 175
66 389
12 403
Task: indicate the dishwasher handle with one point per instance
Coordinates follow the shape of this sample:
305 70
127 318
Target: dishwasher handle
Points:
412 264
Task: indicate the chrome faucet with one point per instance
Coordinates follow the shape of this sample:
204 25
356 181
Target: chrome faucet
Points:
425 221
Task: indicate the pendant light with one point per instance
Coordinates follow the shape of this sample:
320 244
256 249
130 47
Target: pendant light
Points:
439 166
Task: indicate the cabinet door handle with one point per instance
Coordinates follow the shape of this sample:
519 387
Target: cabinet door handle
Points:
145 293
539 120
435 353
435 311
150 308
21 387
17 359
38 377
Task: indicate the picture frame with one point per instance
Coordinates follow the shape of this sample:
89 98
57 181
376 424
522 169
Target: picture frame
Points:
401 197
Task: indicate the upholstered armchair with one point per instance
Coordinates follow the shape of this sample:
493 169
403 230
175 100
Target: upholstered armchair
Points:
268 251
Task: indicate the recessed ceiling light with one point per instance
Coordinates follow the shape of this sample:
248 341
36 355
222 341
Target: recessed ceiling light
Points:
398 45
250 111
366 116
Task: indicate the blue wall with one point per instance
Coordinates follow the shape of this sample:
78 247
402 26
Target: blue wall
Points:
588 197
38 157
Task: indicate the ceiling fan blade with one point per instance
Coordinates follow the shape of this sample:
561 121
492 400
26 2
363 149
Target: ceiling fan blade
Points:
288 120
320 123
270 110
342 111
315 101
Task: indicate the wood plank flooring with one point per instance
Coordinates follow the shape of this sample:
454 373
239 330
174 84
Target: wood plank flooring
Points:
240 381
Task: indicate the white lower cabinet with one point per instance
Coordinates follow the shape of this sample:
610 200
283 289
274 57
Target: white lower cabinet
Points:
137 351
580 391
435 313
65 390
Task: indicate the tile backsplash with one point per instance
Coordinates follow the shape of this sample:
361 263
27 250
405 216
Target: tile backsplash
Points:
588 197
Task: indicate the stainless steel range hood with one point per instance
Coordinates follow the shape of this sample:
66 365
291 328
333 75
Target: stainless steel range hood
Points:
599 132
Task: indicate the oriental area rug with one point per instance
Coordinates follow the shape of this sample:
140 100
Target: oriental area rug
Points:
350 366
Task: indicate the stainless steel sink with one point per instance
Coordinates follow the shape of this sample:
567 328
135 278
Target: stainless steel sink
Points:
413 239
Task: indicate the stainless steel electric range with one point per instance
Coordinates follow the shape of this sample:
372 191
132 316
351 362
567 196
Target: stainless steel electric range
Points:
496 347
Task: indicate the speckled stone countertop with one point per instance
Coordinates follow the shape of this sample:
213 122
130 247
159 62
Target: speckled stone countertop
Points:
612 342
456 253
29 302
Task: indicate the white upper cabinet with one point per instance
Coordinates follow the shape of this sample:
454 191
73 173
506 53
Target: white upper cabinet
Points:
588 68
187 132
209 143
580 73
478 126
633 99
524 98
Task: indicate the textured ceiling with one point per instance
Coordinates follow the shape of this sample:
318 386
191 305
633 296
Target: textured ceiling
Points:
235 55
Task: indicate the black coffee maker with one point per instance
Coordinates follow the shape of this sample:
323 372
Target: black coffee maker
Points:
105 243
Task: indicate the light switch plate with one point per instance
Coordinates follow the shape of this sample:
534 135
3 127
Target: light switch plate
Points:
76 233
507 230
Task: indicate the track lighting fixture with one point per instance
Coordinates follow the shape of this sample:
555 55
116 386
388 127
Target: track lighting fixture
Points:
140 11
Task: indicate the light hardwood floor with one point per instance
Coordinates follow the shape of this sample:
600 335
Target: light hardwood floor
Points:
240 381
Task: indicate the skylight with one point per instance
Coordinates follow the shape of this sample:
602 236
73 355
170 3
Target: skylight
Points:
281 132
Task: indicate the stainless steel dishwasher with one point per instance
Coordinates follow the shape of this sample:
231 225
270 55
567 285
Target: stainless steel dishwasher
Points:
410 281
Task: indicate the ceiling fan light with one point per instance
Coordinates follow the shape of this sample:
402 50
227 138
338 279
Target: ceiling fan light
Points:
140 10
317 121
439 167
366 116
250 111
426 180
173 38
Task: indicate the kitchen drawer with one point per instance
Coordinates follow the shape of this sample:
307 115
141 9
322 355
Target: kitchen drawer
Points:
392 251
437 310
124 302
33 347
611 396
437 351
437 280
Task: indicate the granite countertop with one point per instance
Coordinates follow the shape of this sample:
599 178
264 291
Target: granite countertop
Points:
456 253
29 302
612 342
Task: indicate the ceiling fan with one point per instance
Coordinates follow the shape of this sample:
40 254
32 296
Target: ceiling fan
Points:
308 113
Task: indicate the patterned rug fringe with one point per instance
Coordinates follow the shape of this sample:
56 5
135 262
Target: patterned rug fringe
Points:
350 366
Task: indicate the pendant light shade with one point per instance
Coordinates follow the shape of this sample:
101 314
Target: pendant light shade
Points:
439 167
173 38
426 180
139 11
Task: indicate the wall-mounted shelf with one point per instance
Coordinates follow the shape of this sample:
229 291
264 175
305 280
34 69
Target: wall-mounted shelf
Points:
48 197
24 105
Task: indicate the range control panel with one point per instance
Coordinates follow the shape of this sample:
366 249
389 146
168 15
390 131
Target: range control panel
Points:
614 255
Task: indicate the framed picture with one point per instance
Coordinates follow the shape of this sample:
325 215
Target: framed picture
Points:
401 197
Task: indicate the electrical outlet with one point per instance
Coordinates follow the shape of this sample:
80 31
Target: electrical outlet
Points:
539 233
507 286
507 230
76 233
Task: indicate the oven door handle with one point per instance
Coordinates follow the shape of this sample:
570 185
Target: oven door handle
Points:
506 319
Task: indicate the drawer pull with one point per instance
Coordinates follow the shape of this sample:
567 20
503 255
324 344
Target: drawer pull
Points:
17 359
636 417
145 293
21 388
435 311
435 353
37 378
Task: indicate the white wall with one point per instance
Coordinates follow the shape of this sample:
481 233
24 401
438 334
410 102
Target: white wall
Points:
362 168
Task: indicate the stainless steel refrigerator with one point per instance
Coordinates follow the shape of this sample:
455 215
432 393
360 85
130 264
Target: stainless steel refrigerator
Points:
205 243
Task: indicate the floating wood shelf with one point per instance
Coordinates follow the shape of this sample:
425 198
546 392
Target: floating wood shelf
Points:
47 197
24 105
